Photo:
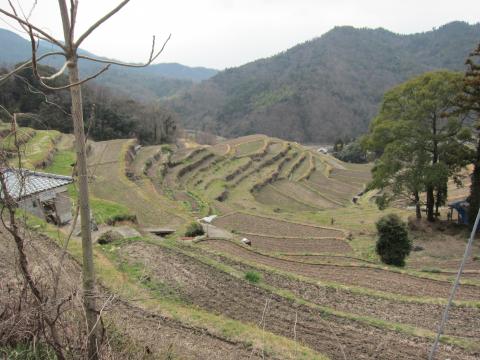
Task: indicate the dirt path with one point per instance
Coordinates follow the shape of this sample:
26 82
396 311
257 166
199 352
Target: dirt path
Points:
376 279
219 292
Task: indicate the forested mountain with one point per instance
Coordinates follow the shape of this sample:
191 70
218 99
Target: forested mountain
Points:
323 89
159 80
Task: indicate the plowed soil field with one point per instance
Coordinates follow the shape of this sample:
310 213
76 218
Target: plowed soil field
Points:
222 293
463 321
372 278
298 245
262 225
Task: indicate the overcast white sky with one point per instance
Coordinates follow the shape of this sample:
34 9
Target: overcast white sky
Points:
227 33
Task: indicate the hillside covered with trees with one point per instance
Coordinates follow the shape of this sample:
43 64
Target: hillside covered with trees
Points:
108 115
324 89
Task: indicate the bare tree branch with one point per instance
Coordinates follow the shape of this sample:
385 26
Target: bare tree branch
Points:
32 9
100 22
73 17
151 58
66 25
39 78
57 74
34 90
45 36
26 64
15 12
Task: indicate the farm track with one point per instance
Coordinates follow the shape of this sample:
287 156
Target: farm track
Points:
219 292
371 278
463 321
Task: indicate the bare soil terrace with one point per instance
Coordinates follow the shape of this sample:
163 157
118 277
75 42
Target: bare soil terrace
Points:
144 334
463 321
242 222
222 293
298 245
372 278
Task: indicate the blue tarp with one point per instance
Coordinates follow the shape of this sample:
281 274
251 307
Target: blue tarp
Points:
462 209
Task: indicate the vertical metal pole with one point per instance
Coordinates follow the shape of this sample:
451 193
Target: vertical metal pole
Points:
454 288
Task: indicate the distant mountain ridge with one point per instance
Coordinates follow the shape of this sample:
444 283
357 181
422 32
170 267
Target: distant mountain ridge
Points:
154 81
323 89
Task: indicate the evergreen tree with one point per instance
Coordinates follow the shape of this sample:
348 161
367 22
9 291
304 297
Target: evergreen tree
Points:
469 102
393 244
420 140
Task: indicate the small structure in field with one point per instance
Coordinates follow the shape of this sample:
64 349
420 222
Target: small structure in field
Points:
246 241
41 194
462 207
159 231
208 219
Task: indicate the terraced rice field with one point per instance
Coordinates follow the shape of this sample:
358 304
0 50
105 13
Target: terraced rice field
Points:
37 147
422 314
305 194
242 222
319 283
367 277
249 148
270 195
107 168
205 286
146 155
297 244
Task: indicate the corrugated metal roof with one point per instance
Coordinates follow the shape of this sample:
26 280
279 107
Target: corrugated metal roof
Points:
21 183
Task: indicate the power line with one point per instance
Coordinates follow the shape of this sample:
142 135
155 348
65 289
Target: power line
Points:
454 288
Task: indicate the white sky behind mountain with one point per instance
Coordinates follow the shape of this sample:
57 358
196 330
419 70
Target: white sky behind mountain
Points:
227 33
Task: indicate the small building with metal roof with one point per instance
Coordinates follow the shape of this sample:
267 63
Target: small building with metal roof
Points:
41 194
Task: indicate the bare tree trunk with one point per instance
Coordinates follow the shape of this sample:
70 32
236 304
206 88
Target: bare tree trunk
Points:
88 268
418 210
68 48
474 198
430 204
